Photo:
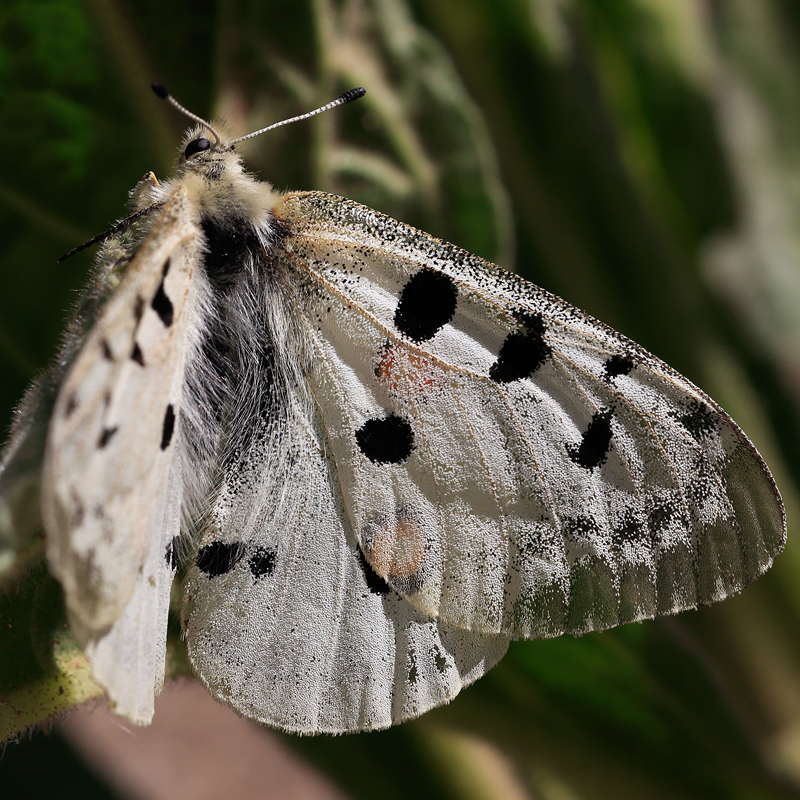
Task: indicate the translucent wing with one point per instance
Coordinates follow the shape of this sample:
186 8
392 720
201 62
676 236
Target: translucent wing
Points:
286 623
111 492
507 463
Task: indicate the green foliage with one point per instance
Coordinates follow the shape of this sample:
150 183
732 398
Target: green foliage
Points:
638 157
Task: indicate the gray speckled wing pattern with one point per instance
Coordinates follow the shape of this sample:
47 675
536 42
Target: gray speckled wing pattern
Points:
509 464
286 625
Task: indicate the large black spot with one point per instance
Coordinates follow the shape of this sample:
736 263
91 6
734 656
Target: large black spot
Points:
386 441
595 442
522 352
262 562
105 436
168 428
618 365
427 303
699 420
375 583
219 557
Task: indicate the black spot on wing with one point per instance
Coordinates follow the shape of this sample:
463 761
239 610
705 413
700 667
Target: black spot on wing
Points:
427 304
618 365
581 527
168 427
78 512
629 530
388 440
72 404
162 305
262 562
699 420
219 558
595 442
137 355
665 514
138 309
522 352
106 348
375 583
105 436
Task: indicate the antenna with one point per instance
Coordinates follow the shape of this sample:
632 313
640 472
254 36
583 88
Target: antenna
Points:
162 92
347 97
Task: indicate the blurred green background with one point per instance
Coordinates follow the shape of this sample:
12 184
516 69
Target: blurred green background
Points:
640 158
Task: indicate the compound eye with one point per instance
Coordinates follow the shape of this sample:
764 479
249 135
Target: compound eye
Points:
197 146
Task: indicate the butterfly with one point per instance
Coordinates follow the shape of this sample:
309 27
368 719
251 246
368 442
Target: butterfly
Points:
378 458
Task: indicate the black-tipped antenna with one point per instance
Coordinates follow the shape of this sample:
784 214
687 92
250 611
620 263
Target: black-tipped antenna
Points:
347 97
162 92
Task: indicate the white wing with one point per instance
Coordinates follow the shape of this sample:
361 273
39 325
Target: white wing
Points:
112 479
286 623
507 463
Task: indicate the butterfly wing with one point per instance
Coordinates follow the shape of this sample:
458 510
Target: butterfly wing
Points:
286 623
111 491
506 462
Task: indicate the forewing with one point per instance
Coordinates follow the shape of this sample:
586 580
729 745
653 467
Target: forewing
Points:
286 623
508 463
111 488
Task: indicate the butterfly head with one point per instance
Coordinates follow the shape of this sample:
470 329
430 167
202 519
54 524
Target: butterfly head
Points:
199 151
212 171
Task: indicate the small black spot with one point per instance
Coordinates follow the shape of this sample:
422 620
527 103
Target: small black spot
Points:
595 442
699 420
72 404
629 531
162 305
107 354
137 355
196 146
375 583
168 427
171 553
262 562
219 558
522 353
440 662
389 440
78 512
663 515
138 309
581 527
427 304
105 436
618 365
